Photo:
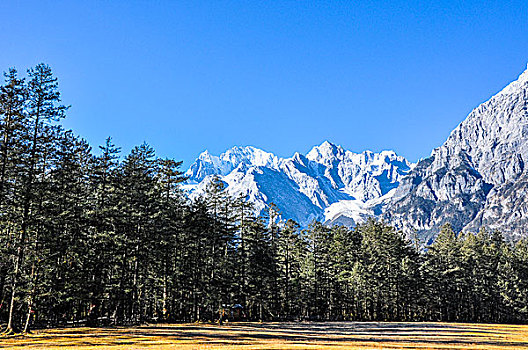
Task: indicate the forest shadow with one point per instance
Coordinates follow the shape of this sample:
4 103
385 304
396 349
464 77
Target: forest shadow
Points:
309 334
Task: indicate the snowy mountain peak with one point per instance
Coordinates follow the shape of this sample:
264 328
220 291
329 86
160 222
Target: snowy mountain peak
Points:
329 147
520 83
388 154
205 155
303 187
250 156
524 75
325 153
208 164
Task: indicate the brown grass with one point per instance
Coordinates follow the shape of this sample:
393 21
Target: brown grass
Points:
310 335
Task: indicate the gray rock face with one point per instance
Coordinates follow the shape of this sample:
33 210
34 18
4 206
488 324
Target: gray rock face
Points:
477 177
506 209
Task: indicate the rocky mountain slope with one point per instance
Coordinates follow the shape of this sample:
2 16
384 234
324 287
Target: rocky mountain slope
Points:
477 178
329 183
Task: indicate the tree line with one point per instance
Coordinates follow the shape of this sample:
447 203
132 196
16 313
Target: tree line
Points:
97 238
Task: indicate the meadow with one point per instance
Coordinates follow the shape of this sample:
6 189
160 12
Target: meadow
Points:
304 335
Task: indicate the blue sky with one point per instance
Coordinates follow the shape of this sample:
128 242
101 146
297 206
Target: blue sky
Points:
186 76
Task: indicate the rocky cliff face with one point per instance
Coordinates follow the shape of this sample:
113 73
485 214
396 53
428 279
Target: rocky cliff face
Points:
477 177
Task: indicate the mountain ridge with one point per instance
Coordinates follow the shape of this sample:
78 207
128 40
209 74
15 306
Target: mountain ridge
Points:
326 175
476 178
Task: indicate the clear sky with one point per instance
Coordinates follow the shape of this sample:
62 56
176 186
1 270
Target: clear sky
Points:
186 76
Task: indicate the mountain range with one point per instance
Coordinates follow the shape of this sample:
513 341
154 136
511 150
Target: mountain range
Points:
477 178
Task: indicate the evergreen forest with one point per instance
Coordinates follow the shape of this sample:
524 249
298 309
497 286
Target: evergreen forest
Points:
103 238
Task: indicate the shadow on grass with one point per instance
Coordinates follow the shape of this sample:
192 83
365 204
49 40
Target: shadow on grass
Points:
310 333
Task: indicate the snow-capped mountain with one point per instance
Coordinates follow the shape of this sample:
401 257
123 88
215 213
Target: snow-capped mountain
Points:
208 164
329 183
478 177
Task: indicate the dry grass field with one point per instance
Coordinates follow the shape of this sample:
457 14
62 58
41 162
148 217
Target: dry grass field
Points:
311 335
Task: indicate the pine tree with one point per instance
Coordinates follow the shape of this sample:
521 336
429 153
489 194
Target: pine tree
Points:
446 275
103 214
259 269
291 250
41 108
12 146
169 227
60 252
